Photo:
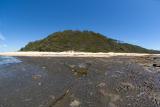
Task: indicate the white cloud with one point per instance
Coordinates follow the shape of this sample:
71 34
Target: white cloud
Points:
2 37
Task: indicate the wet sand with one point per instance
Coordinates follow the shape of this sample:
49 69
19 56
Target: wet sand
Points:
80 82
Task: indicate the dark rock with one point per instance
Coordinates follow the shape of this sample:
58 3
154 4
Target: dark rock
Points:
154 58
156 65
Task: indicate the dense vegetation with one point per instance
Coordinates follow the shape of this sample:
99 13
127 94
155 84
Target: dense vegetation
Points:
86 41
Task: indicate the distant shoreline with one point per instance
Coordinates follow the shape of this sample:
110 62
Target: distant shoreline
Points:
71 54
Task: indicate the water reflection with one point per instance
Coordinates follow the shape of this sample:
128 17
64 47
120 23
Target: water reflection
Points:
8 60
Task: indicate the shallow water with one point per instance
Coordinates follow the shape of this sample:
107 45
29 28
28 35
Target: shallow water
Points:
8 60
51 82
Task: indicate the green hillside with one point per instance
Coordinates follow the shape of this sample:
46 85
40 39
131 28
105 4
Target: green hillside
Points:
86 41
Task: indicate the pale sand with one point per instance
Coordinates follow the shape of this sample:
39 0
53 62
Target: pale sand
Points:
70 54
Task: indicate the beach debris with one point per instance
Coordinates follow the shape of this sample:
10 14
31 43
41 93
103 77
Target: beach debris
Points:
75 103
36 77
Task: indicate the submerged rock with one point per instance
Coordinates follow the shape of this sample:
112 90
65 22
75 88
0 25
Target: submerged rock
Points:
80 69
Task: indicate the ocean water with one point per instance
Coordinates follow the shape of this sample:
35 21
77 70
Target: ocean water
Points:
8 60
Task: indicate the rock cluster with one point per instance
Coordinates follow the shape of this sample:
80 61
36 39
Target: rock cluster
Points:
81 69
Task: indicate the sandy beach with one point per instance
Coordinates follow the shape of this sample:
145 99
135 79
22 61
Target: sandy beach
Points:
70 54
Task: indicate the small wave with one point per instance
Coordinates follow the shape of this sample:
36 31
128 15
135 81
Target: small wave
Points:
8 60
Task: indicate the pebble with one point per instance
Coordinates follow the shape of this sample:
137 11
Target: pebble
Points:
106 73
75 103
127 84
120 72
82 65
39 83
72 66
102 84
27 100
43 67
52 97
36 77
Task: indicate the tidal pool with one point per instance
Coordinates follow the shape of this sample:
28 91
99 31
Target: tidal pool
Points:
8 60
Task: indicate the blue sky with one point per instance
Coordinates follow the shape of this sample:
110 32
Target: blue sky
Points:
132 21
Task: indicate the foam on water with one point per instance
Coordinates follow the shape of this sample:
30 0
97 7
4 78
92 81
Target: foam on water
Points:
8 60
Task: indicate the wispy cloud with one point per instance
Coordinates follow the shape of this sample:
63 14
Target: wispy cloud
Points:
3 45
2 40
2 37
